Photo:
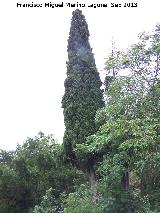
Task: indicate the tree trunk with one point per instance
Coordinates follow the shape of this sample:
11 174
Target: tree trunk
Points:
91 176
125 180
142 186
125 185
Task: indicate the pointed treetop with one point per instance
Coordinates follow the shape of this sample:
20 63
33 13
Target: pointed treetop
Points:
79 33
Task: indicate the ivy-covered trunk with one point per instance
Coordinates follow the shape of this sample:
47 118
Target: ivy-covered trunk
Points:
91 176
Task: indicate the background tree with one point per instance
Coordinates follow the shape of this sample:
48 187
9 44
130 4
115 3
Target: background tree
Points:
34 168
128 135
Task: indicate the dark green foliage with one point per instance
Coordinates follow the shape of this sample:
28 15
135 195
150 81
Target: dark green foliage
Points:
48 204
30 171
108 81
83 96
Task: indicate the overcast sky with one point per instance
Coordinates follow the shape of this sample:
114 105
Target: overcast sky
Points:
33 43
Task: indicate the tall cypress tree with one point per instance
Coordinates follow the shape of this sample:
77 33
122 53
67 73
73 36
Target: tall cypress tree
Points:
83 96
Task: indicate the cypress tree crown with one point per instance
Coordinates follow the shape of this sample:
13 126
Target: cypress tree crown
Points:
83 96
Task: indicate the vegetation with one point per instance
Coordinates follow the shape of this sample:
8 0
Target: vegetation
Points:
27 174
83 96
109 161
